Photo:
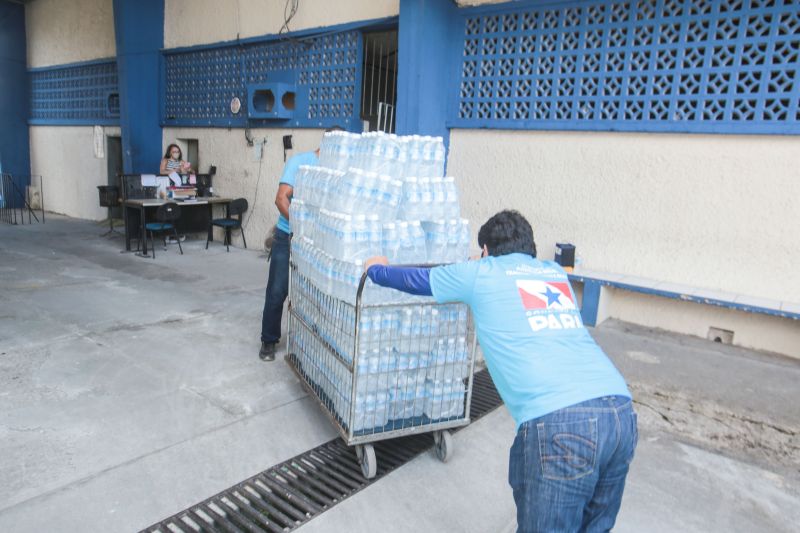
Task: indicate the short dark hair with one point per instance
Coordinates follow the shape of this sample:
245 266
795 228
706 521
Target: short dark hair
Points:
169 149
507 232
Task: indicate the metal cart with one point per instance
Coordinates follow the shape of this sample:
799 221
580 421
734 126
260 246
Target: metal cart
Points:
381 370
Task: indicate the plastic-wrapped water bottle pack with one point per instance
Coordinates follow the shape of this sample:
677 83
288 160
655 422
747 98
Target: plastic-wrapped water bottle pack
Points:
378 194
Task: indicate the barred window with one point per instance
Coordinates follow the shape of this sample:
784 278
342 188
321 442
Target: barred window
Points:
75 94
200 84
654 65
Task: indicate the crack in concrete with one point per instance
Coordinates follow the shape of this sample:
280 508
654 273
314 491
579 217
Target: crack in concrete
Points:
714 426
171 320
216 402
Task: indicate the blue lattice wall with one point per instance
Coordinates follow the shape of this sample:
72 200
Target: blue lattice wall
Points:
75 94
326 70
658 65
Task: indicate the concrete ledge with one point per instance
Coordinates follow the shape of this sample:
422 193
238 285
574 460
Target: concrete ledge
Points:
595 299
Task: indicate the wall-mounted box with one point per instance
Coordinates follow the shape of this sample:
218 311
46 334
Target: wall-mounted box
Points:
271 100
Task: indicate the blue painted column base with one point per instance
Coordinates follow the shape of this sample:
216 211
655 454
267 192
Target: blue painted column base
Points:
591 302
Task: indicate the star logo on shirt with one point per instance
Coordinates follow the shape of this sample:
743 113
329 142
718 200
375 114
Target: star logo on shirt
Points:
551 295
540 294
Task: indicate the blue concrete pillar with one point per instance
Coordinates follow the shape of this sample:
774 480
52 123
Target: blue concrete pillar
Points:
425 36
592 293
139 28
15 157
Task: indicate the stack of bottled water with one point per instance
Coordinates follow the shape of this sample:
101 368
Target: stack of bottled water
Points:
398 157
378 194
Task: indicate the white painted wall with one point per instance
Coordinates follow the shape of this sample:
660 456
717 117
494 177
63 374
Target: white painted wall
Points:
238 170
713 211
190 22
64 157
762 332
61 32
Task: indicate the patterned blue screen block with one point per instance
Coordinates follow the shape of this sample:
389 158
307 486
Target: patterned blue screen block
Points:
77 94
200 84
728 66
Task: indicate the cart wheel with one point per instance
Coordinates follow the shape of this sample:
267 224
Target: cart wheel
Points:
443 445
367 460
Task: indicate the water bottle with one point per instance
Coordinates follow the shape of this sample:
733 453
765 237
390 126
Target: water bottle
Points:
311 222
400 168
415 155
327 274
297 223
390 245
389 150
463 240
326 149
438 203
374 235
349 141
405 331
337 280
393 197
436 241
376 151
426 157
439 155
390 326
322 230
365 335
452 209
417 236
361 237
434 400
370 195
453 240
383 200
405 243
410 205
425 209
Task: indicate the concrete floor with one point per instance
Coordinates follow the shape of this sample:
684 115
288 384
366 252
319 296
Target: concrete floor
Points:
130 389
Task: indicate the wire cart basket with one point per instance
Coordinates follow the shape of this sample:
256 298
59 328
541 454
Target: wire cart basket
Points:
381 370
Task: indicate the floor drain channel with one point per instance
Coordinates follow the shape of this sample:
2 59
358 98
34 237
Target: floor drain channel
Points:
287 495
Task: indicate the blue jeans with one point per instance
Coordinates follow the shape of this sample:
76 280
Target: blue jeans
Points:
277 288
568 468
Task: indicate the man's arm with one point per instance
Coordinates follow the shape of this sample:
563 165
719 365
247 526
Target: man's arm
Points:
284 198
413 280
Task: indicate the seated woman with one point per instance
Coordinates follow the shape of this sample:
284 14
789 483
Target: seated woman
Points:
173 161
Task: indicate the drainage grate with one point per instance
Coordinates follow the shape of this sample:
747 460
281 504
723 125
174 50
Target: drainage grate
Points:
291 493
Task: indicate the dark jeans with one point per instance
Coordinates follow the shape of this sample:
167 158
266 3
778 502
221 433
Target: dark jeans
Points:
277 288
568 468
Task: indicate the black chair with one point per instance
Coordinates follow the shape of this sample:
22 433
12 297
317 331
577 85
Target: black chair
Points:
109 197
235 208
166 215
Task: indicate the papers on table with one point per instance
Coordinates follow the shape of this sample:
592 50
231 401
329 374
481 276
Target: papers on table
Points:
176 179
149 180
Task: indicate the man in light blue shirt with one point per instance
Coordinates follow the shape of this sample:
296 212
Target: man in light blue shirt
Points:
278 281
576 428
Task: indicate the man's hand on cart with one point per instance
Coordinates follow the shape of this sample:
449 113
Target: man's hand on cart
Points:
376 260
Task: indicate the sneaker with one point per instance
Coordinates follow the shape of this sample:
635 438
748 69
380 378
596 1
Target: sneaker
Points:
173 240
267 351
